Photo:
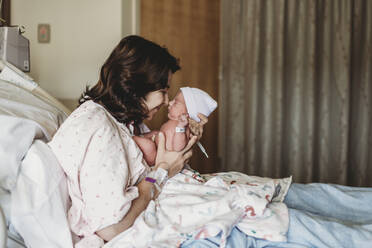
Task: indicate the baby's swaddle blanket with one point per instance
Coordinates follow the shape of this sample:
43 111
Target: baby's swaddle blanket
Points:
195 206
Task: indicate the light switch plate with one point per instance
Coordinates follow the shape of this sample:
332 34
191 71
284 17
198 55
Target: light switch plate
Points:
43 33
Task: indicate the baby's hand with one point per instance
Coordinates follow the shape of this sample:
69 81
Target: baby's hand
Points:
183 120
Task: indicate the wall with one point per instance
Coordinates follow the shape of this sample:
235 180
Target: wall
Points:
83 33
190 30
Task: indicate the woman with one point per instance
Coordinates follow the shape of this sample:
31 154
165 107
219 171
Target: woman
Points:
95 147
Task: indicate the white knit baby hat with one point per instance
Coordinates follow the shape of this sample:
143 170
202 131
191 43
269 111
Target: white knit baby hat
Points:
198 101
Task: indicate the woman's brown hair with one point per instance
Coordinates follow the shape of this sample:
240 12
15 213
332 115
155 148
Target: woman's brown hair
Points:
134 68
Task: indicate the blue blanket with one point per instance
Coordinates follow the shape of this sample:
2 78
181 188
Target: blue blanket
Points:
320 215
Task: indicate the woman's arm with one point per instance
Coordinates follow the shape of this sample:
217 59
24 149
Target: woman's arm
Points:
138 205
168 160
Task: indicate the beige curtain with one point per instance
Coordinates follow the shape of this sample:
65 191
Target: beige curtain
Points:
296 89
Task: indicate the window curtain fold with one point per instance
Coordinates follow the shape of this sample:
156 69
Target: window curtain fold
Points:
296 89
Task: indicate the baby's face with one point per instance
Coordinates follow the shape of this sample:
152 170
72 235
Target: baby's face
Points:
177 107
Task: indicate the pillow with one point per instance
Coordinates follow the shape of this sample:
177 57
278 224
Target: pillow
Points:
40 200
16 136
23 118
16 101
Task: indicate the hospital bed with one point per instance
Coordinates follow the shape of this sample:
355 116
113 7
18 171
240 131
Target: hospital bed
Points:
33 191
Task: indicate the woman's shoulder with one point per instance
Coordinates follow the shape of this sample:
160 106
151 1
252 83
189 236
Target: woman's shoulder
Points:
88 118
86 109
90 113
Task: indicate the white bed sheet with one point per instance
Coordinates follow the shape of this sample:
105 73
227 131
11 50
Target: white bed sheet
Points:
40 200
23 118
33 192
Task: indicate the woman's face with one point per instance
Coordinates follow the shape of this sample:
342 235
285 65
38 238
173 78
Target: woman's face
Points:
156 99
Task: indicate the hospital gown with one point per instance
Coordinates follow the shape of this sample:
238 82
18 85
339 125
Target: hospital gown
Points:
103 164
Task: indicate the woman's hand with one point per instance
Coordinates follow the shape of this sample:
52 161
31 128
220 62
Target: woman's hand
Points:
172 161
196 128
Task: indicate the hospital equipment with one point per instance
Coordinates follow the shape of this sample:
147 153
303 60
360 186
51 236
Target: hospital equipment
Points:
15 48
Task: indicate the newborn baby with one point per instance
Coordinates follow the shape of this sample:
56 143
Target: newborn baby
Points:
187 103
